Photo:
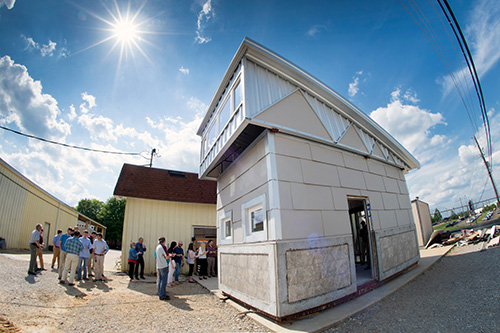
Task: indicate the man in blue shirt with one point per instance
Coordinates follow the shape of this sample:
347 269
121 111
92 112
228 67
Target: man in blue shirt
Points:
56 248
140 248
84 256
62 255
179 260
73 247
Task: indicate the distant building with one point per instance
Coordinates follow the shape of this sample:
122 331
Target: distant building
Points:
173 204
23 205
423 221
299 169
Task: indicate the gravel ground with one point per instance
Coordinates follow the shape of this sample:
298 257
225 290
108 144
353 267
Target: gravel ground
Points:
460 293
41 304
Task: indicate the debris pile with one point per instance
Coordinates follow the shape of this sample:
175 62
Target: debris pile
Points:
490 237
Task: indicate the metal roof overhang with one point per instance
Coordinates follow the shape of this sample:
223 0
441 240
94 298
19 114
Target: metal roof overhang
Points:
268 59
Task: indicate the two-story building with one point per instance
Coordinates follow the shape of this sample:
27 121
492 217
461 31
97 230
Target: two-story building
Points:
312 203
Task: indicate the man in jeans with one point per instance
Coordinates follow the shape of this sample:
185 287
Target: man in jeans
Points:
140 248
179 260
34 244
62 254
162 267
73 247
84 256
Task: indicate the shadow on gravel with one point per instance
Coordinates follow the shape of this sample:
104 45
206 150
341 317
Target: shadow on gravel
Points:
30 279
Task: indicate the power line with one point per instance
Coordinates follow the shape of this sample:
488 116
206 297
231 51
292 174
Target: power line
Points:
67 145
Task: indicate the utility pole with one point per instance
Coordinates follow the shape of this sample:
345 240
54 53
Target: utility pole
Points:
489 171
153 153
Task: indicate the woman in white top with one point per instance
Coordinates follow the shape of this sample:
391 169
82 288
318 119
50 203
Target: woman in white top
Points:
190 260
171 266
202 260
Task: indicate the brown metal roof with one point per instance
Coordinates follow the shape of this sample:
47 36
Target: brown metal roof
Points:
160 184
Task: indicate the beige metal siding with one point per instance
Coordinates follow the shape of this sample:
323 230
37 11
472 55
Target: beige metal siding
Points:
152 219
12 200
23 205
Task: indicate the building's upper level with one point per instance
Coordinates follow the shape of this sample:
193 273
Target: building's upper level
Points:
262 90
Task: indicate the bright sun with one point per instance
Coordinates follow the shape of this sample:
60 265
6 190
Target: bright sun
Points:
126 31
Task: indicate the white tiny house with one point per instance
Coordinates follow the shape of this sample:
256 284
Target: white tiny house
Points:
312 202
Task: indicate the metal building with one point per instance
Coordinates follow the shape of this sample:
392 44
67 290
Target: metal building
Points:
164 203
300 170
23 204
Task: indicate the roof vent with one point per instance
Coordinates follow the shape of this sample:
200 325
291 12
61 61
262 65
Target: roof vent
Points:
177 174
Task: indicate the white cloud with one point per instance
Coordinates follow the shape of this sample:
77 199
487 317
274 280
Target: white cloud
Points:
315 30
184 70
48 50
205 14
410 124
354 86
45 49
7 3
23 103
483 37
72 113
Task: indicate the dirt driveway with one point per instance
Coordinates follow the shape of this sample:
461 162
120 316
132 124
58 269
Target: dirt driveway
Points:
41 304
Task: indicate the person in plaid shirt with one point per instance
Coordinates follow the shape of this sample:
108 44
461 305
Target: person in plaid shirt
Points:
73 247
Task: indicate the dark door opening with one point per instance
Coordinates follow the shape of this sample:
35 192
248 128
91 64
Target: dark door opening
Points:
361 240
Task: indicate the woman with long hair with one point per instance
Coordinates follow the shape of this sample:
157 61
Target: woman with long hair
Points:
171 267
202 260
190 261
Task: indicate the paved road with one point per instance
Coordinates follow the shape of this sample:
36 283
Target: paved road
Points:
459 294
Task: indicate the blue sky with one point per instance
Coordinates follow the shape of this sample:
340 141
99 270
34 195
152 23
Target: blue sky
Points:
68 74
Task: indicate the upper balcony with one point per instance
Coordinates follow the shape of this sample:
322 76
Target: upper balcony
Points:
262 90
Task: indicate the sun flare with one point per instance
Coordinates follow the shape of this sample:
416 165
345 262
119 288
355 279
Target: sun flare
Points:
126 31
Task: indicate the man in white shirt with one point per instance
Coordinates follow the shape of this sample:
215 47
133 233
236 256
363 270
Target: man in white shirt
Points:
34 244
100 249
162 267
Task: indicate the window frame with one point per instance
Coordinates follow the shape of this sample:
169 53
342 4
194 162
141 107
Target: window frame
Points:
247 208
225 218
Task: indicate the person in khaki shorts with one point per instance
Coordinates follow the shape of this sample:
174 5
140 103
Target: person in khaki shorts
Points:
100 250
56 241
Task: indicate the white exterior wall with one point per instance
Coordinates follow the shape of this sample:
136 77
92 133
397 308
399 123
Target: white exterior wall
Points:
307 186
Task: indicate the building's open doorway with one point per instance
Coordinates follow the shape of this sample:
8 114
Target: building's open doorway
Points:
361 240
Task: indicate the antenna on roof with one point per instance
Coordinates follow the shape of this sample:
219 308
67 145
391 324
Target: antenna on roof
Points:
153 153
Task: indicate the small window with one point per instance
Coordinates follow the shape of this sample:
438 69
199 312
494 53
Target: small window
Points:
257 218
224 115
254 219
226 227
237 96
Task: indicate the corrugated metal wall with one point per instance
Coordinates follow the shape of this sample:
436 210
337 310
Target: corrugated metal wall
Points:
152 219
23 205
13 195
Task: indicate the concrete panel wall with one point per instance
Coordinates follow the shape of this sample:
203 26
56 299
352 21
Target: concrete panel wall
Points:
307 171
314 272
397 250
423 222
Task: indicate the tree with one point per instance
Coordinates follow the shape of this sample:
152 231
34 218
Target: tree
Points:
437 216
111 215
453 215
90 208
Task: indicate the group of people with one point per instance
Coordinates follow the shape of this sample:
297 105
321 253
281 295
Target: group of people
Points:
75 253
169 262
